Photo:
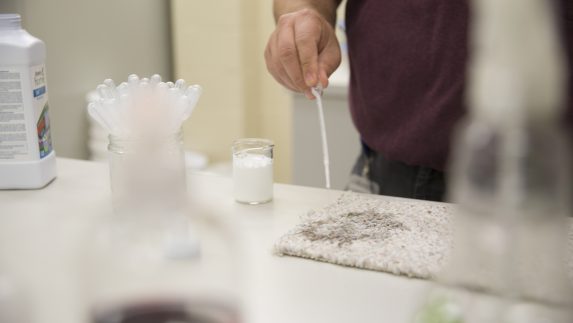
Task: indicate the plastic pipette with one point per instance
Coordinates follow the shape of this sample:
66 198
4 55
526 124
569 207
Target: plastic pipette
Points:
95 114
117 106
317 92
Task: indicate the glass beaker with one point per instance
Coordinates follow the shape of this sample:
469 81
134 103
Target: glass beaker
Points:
253 170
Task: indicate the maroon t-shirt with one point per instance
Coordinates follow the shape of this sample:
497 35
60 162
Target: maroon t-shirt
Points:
408 70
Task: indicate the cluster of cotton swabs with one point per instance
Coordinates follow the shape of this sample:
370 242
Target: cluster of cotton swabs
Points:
146 102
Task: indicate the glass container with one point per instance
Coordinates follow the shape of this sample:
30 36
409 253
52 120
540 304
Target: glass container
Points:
253 170
152 261
508 263
147 174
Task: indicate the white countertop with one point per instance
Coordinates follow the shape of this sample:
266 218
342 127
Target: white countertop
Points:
40 231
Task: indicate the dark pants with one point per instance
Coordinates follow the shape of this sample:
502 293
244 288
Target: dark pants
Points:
374 174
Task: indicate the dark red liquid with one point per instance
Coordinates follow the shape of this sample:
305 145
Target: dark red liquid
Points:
167 312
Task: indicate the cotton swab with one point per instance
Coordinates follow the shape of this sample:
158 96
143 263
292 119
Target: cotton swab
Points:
317 92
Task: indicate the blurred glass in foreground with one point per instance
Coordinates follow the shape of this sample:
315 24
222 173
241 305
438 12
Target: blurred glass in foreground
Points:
13 305
158 263
510 176
152 261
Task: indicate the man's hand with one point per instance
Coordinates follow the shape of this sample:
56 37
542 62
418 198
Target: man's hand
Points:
302 51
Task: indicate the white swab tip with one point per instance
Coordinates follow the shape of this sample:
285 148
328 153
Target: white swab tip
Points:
317 90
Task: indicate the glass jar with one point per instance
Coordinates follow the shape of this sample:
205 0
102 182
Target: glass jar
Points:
134 272
454 304
253 170
147 174
152 261
512 189
511 186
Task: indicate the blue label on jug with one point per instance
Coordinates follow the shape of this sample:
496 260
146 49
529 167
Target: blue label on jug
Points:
39 91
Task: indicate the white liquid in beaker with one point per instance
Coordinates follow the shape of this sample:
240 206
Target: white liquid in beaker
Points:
253 178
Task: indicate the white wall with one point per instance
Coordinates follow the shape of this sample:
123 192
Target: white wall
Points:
87 42
219 44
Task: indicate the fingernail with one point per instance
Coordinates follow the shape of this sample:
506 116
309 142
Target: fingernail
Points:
310 79
324 79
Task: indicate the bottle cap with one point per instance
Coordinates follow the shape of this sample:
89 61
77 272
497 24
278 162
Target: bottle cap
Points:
10 21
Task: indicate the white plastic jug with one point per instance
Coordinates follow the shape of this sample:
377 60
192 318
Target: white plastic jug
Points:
27 158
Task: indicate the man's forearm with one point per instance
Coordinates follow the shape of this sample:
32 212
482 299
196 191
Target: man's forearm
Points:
327 8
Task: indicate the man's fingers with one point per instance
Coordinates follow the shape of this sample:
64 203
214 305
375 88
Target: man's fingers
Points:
328 60
288 55
323 76
275 68
302 51
284 79
306 37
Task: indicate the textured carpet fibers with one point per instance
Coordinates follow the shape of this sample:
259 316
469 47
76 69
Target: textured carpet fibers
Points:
408 238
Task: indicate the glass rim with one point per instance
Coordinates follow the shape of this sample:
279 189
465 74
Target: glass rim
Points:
135 138
262 142
10 16
10 21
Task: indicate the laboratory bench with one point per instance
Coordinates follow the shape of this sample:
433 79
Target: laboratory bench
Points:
41 232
